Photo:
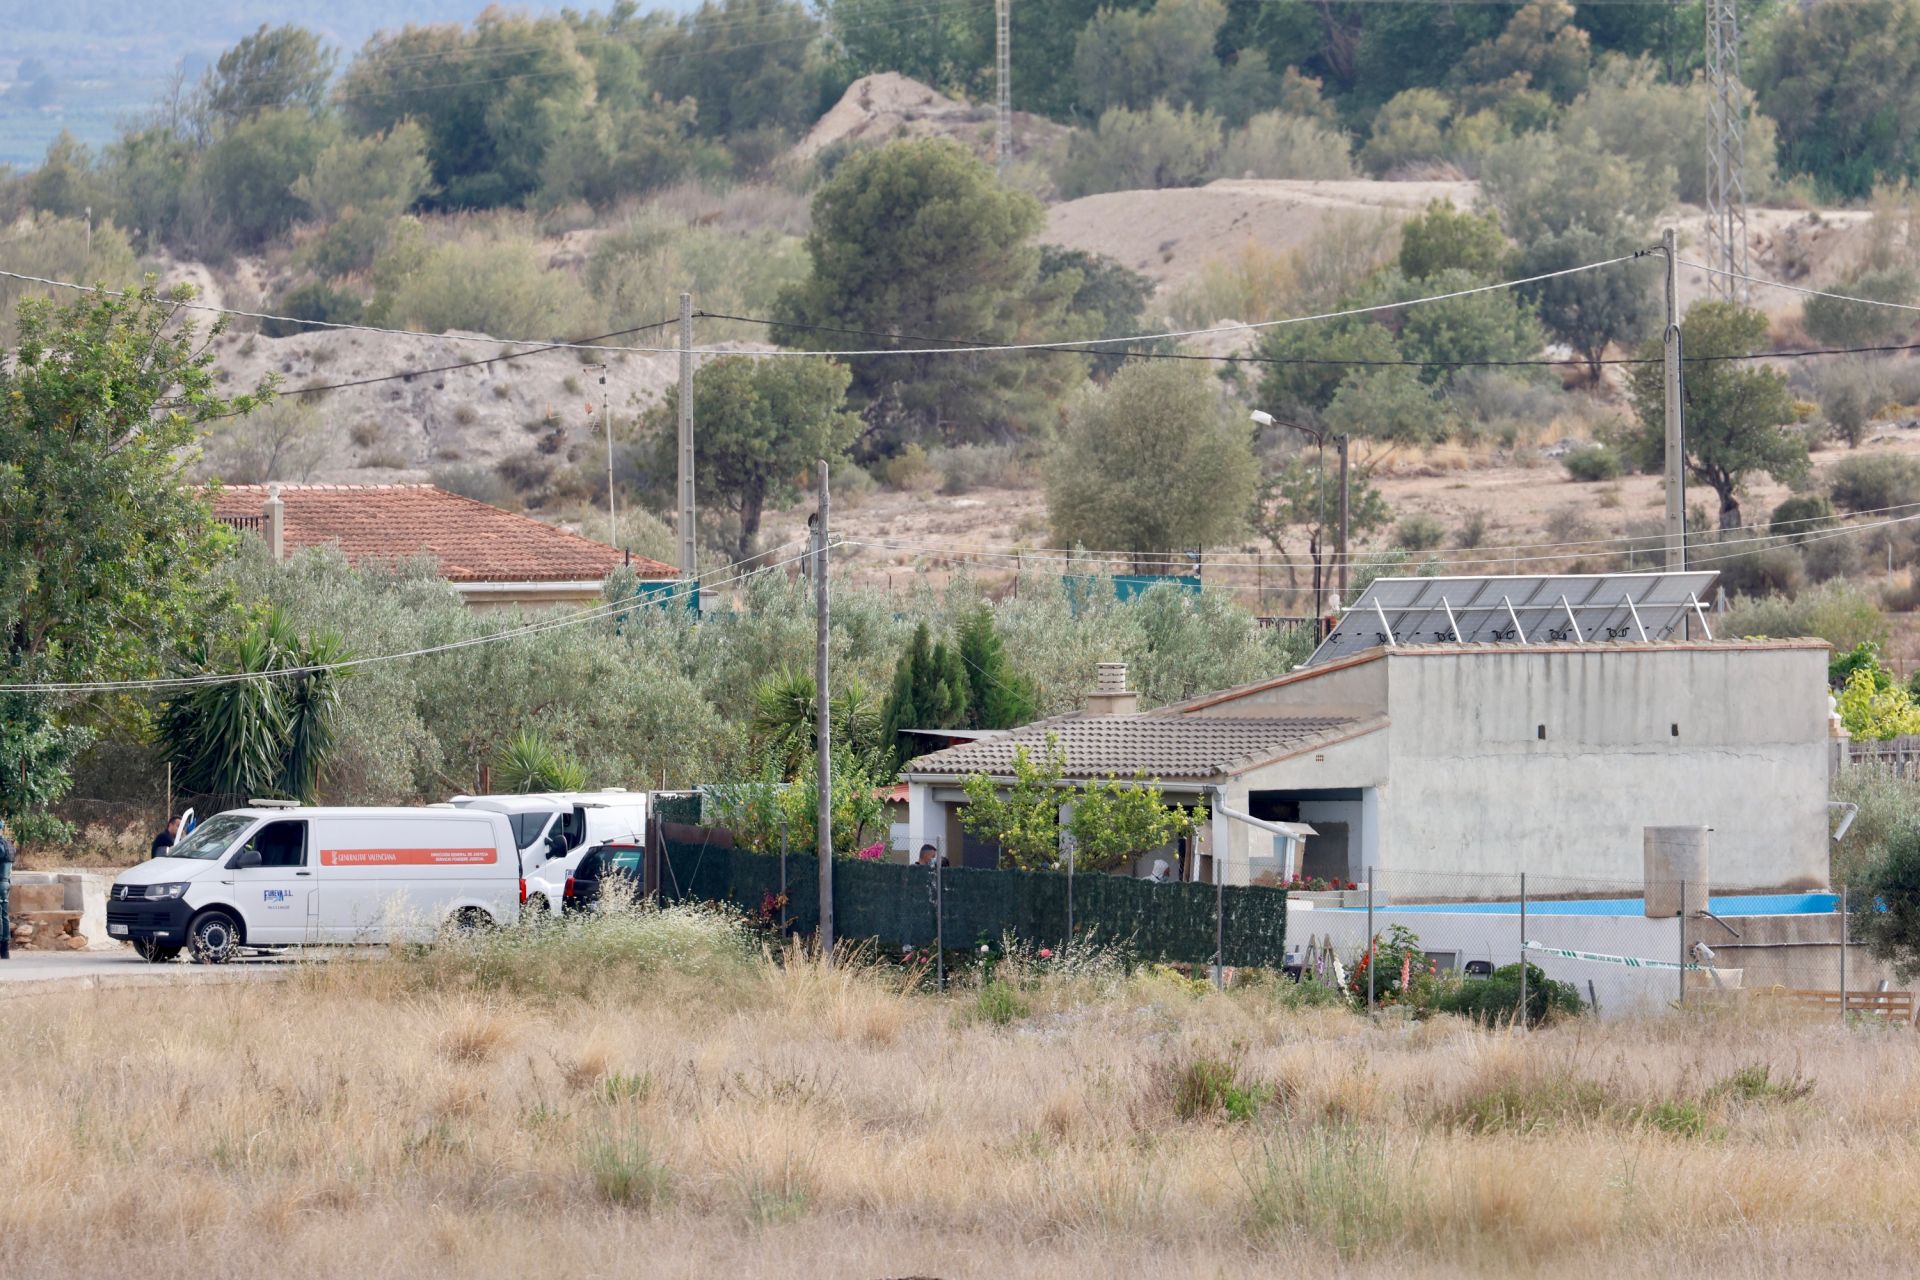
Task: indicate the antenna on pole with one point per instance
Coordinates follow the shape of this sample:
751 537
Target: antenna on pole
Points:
1726 152
1002 70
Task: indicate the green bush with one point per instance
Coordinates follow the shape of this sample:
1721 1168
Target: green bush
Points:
499 287
1800 515
1838 612
1760 570
1833 322
1419 532
999 1003
1209 1088
315 300
1141 150
1593 463
1497 998
1874 483
1277 145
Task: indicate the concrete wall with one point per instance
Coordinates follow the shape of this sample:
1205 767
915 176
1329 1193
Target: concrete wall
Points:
1733 738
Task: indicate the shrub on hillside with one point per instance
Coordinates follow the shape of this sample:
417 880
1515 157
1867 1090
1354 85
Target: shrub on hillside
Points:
1419 532
1834 322
1593 463
1769 569
1277 145
1849 393
500 288
314 300
1838 612
1141 150
1875 483
1800 515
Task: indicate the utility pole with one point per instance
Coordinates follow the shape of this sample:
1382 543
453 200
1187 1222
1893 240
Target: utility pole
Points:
689 557
606 421
1676 430
1726 153
1342 601
823 721
1003 69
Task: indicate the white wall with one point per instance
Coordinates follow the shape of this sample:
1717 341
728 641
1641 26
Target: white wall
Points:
1474 786
1621 990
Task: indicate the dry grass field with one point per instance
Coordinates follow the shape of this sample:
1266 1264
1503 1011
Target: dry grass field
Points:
652 1096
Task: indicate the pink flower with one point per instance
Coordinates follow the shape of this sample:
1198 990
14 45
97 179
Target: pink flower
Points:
873 852
1046 953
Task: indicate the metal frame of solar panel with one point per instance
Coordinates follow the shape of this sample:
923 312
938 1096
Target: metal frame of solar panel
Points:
1574 608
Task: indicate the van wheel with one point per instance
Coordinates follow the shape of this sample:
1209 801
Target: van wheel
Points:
213 937
153 952
471 920
537 908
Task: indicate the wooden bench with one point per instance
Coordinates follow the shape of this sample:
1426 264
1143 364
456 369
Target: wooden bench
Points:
1894 1006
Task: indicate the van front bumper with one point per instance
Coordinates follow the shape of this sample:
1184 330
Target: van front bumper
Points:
136 918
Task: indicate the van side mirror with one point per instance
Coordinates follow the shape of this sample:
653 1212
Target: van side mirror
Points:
244 858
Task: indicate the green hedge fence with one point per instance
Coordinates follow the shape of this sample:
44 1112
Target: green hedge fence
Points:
893 905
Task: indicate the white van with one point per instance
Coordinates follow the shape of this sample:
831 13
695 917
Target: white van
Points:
554 830
288 875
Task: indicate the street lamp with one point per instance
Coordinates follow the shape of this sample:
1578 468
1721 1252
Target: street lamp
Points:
1321 436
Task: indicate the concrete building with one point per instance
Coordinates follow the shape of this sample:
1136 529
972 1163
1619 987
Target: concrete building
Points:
494 558
1451 758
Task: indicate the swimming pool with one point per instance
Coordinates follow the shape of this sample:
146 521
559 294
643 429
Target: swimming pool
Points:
1741 904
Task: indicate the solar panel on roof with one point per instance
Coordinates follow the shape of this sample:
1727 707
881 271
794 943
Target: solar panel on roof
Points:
1573 608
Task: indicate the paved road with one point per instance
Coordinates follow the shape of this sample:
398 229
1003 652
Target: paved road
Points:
40 972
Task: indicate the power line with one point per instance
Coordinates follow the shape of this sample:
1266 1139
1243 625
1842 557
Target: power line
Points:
1745 278
1464 557
1073 344
405 374
1880 349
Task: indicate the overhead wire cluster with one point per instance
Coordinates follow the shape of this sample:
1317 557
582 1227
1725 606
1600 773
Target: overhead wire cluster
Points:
1470 557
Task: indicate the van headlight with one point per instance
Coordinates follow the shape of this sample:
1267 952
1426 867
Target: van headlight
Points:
162 892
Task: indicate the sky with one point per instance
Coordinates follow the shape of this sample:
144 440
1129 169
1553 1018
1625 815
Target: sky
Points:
92 64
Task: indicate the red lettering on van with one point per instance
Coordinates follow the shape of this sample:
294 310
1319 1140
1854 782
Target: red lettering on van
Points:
408 857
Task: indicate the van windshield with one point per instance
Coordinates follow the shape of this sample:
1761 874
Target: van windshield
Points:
211 838
528 826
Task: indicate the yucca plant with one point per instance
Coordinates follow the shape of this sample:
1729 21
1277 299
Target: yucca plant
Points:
268 735
528 762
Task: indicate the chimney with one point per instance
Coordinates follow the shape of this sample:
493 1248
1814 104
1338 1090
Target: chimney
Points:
275 512
1110 696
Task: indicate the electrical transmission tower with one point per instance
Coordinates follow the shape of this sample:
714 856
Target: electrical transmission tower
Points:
1726 152
1002 60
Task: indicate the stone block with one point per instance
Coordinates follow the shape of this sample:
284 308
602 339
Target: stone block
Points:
30 898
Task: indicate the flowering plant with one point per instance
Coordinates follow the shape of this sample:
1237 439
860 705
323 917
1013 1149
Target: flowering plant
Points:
873 852
1405 975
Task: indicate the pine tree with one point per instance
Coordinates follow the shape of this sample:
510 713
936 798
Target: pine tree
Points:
997 697
930 691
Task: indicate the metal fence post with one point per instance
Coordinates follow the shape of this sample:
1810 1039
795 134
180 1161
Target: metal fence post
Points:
783 876
1843 955
939 921
1220 921
1070 852
1370 940
1523 949
1683 942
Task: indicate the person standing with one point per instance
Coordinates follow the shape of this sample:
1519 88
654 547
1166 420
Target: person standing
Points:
163 843
6 890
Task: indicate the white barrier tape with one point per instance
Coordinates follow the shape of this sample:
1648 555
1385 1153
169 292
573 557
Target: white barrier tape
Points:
1631 962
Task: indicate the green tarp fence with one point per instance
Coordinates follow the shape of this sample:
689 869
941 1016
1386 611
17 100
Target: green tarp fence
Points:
893 905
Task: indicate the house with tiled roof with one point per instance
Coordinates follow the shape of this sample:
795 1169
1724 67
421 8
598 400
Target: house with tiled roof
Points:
1433 760
494 558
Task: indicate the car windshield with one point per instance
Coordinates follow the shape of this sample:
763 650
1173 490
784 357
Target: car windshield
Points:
211 838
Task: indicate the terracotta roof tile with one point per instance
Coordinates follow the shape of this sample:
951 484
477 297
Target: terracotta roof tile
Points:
386 524
1164 747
